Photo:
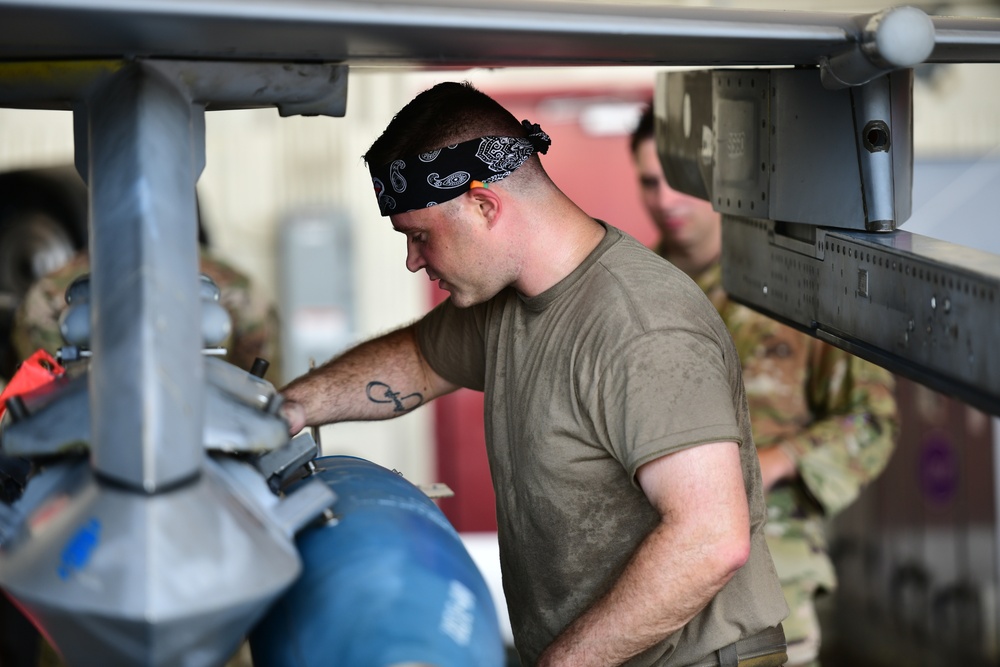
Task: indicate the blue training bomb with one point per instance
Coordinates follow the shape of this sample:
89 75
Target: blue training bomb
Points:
389 584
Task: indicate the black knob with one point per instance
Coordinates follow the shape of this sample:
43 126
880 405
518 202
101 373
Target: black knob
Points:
259 367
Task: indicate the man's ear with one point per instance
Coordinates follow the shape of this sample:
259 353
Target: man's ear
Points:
488 203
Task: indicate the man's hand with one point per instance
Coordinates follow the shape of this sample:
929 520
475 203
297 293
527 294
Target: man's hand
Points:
775 466
295 414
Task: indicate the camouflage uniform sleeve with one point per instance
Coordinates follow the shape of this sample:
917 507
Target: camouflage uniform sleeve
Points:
854 431
36 320
256 332
254 318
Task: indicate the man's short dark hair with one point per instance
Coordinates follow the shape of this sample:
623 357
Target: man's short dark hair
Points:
645 129
446 114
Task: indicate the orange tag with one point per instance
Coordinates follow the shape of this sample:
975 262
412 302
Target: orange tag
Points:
36 371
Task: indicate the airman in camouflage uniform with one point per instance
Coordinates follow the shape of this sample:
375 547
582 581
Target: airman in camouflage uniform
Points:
255 321
824 421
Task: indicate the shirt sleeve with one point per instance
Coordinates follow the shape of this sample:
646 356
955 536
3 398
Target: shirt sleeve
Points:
452 341
666 391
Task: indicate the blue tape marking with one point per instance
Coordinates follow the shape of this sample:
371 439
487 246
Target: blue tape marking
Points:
80 548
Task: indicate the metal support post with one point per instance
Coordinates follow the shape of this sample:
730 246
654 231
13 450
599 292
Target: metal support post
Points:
147 374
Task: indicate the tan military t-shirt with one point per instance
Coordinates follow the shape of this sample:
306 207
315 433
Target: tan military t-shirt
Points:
623 361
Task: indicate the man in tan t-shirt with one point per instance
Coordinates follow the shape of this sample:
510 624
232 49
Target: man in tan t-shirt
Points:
629 495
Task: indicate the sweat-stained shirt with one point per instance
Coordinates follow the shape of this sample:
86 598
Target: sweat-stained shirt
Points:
623 361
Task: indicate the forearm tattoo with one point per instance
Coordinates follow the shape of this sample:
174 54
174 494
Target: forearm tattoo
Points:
380 392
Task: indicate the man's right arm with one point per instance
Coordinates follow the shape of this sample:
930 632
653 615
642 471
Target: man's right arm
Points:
382 378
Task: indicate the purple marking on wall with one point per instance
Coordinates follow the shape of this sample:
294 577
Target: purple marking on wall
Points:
939 469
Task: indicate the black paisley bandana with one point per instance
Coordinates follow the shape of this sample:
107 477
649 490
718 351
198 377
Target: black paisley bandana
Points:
442 174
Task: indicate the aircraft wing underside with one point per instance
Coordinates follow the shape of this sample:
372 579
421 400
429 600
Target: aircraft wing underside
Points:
442 33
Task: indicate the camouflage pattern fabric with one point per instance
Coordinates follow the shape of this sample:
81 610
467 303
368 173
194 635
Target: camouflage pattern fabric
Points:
835 416
803 651
255 321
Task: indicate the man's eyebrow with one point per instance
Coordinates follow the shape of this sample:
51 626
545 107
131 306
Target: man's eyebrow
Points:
403 228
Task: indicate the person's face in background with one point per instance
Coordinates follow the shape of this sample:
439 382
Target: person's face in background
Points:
685 222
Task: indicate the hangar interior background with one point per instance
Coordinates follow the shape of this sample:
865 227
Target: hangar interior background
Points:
918 555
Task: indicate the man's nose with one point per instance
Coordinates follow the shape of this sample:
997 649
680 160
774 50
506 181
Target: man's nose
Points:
668 196
414 260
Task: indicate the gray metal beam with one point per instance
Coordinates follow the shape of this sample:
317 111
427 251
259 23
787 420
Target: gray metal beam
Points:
921 307
147 374
295 88
452 33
